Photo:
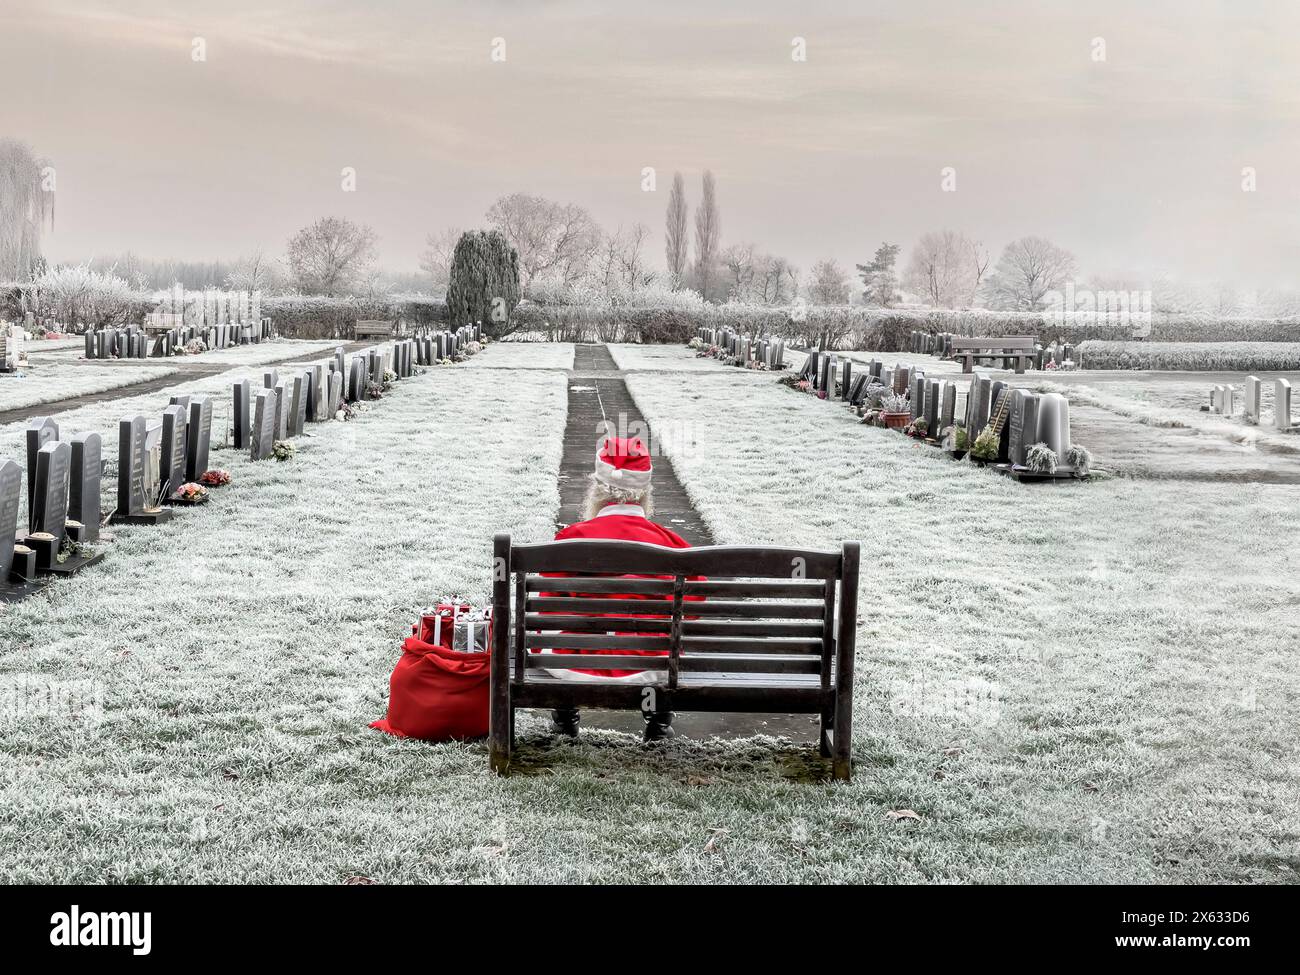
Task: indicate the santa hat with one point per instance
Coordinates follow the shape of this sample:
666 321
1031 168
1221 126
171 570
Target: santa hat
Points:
624 463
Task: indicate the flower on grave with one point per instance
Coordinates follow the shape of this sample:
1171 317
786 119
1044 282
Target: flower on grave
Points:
1040 458
473 348
215 477
374 390
1080 458
283 450
444 361
803 385
190 491
696 343
893 403
985 446
1051 365
195 346
917 428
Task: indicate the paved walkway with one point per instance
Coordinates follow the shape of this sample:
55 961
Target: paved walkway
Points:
598 394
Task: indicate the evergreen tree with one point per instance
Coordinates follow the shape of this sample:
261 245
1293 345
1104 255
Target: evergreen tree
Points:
483 285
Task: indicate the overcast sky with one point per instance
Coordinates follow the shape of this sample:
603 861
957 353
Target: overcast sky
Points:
1133 163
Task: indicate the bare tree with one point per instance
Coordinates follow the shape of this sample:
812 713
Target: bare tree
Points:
1028 269
708 232
25 204
828 284
256 272
943 269
553 239
331 256
979 259
436 259
776 281
676 245
738 261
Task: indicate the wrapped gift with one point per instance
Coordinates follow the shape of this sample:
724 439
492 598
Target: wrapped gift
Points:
438 623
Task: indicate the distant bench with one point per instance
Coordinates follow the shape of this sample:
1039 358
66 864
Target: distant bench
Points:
766 631
1017 349
373 330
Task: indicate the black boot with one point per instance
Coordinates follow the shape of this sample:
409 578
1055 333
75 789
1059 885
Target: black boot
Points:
564 721
658 725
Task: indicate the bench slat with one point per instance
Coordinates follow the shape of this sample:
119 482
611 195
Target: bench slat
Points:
722 644
570 584
595 624
737 561
762 628
757 589
588 641
595 661
654 607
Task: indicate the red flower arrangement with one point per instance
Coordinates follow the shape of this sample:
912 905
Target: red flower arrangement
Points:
215 477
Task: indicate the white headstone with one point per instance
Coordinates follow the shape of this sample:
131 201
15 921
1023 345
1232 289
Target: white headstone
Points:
1282 404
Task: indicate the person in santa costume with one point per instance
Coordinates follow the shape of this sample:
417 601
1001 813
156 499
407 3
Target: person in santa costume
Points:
618 505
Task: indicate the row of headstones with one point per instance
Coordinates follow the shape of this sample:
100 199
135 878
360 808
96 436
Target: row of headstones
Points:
940 344
1020 418
1223 400
431 347
11 346
129 342
284 405
156 456
770 352
63 484
211 306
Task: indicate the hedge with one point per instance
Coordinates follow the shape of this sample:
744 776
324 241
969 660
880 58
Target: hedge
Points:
1192 356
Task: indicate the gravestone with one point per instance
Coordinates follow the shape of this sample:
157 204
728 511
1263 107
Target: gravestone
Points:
182 401
1229 400
998 421
83 493
932 393
50 513
858 390
1216 399
301 394
1054 425
1282 404
916 404
1023 427
1252 399
339 359
282 407
240 415
902 379
356 380
335 395
199 433
11 483
948 412
316 405
270 379
262 438
40 431
132 457
172 465
846 382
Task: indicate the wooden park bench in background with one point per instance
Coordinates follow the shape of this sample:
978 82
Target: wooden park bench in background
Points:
371 329
1017 349
771 634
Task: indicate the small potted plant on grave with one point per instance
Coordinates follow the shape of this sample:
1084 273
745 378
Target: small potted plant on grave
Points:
956 442
985 447
917 428
894 411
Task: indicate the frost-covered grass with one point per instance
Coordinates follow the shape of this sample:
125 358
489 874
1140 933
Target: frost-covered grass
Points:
524 355
257 353
1192 356
241 650
51 380
1088 683
631 356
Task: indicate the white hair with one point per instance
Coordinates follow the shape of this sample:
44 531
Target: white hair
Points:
600 494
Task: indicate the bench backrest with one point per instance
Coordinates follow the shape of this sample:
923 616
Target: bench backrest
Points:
373 327
1009 343
722 609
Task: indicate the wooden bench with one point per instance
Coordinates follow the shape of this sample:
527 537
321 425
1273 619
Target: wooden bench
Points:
771 634
370 329
1014 348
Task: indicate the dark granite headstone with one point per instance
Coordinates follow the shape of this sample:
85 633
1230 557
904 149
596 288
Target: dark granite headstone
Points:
83 493
50 512
316 408
282 407
931 413
11 485
1023 428
241 417
172 470
263 436
132 457
301 393
40 431
948 412
199 435
270 379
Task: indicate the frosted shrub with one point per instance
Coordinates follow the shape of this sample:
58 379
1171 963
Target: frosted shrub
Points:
75 295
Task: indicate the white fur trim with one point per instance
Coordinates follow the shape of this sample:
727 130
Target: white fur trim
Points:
625 479
621 509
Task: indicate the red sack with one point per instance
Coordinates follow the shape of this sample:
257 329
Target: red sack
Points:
437 694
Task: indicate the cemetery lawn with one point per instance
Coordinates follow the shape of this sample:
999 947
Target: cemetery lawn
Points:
1094 683
51 380
524 355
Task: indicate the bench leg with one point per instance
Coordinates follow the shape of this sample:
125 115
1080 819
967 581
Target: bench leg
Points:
500 742
842 746
824 734
967 364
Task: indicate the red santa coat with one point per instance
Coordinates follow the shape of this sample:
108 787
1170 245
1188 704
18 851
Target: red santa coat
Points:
624 523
